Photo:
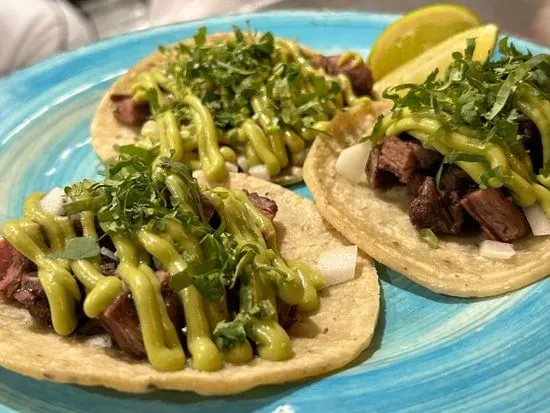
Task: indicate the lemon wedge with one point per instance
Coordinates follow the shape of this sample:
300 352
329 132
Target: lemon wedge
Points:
415 32
440 56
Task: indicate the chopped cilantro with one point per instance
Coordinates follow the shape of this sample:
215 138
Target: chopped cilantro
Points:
78 248
428 235
479 95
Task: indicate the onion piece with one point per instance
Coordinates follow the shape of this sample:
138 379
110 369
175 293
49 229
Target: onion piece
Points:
53 202
297 171
106 252
231 167
352 161
260 171
100 340
338 265
201 178
298 158
150 130
243 163
538 221
495 249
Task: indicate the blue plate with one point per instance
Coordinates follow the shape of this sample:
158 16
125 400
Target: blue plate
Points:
430 352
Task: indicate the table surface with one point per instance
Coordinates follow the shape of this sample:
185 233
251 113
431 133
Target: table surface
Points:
523 18
515 17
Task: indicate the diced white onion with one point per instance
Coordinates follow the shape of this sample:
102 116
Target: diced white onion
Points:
231 167
338 265
352 161
298 158
495 249
201 178
243 163
150 130
296 171
260 171
539 222
53 202
100 340
106 252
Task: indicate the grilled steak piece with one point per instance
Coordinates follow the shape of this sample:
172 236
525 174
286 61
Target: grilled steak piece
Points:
31 295
126 110
287 314
414 185
376 175
267 206
532 143
90 327
454 178
404 159
499 218
430 210
425 158
121 320
13 265
207 208
173 303
359 75
108 267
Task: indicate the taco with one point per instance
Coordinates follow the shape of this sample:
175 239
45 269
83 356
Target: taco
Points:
230 102
145 280
455 193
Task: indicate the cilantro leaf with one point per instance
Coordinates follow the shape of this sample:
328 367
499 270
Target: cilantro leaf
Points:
428 235
493 173
228 334
78 248
210 285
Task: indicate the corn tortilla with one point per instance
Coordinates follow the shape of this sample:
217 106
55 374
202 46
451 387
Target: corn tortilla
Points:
106 130
379 224
322 342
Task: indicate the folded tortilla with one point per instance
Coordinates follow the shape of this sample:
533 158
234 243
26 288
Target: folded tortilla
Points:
378 222
322 342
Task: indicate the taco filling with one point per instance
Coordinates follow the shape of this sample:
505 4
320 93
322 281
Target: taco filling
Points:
240 102
472 147
164 267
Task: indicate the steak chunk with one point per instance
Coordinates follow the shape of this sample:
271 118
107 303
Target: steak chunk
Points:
172 301
402 158
454 178
31 295
126 110
267 206
425 158
359 75
430 210
398 157
533 143
108 267
13 265
499 218
376 175
121 319
208 208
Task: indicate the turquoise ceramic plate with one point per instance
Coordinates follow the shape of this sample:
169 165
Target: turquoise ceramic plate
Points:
430 353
